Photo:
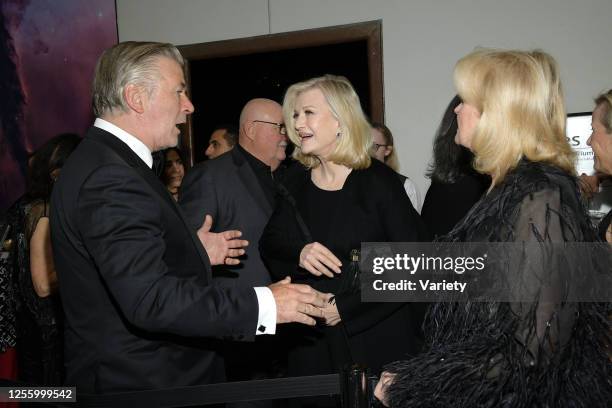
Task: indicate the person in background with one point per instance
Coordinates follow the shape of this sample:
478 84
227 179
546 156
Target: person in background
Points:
223 139
601 143
8 330
544 350
238 190
39 312
383 149
174 170
455 185
334 199
11 222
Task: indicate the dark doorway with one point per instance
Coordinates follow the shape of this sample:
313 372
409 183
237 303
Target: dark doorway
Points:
224 75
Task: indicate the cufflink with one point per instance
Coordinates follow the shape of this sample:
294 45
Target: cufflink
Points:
261 328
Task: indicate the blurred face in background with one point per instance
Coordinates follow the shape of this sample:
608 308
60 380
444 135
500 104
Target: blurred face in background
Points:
380 149
217 144
174 171
601 142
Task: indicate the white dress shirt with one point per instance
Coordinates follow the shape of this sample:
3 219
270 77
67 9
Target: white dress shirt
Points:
413 194
133 142
266 319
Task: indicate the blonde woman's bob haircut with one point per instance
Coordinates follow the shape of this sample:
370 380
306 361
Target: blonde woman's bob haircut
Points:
519 96
354 140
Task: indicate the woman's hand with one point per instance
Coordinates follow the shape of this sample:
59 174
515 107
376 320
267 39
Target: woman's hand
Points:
380 392
331 314
318 260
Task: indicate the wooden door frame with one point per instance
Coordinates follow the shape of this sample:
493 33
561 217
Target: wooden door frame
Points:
371 31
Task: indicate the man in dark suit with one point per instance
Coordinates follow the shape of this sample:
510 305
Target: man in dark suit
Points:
222 139
237 189
135 278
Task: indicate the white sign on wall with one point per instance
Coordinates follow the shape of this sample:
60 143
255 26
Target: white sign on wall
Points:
578 131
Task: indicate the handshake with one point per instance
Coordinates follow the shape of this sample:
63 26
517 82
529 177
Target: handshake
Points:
294 302
302 304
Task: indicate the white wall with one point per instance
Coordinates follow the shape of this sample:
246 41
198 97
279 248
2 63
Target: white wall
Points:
422 40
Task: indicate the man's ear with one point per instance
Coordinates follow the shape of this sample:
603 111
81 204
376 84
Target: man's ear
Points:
134 97
249 129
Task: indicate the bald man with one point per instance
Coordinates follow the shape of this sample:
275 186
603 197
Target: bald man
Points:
237 189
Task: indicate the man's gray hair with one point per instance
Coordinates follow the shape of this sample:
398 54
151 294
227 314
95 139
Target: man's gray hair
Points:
126 63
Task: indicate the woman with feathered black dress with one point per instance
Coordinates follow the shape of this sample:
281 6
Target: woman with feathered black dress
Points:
549 352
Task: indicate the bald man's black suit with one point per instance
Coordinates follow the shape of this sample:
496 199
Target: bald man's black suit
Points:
228 189
237 190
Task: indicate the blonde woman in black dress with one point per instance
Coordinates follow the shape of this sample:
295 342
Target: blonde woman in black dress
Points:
334 199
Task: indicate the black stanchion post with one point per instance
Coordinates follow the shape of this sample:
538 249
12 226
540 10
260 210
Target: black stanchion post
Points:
372 381
355 387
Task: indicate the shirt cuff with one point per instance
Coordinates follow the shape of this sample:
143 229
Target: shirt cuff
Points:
266 318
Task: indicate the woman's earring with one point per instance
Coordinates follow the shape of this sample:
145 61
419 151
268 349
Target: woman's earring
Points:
339 134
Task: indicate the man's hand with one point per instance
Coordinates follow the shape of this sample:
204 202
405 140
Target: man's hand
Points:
319 260
589 185
380 391
223 247
331 314
297 303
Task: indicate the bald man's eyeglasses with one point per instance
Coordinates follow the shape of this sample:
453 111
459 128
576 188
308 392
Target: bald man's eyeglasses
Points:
281 126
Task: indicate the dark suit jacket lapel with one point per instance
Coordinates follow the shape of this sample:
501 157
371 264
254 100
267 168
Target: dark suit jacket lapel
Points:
147 174
250 181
